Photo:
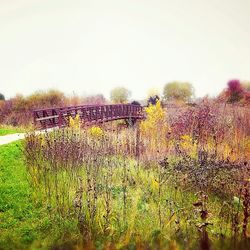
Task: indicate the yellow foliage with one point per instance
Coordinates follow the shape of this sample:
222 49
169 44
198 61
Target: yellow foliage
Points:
155 127
247 149
96 132
227 150
43 141
75 122
188 145
173 245
154 185
186 141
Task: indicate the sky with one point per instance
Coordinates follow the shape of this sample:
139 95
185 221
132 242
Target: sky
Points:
89 46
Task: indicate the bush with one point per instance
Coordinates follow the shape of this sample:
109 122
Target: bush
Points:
43 99
155 128
18 110
237 92
217 131
234 91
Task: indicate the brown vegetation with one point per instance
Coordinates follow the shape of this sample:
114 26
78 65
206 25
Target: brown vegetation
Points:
18 110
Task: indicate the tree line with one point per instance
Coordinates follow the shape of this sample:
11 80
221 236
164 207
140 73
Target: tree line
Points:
181 91
18 110
235 91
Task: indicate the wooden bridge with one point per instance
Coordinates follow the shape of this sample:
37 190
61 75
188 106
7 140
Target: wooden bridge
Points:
89 114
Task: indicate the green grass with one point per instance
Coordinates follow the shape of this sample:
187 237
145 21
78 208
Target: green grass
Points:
6 130
24 222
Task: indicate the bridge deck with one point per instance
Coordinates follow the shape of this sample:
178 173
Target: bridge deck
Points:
59 117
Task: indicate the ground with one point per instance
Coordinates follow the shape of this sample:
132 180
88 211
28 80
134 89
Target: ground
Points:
24 221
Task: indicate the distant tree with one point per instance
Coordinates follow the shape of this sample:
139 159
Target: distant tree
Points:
94 99
74 99
120 95
234 91
153 96
246 86
49 98
153 92
178 91
2 98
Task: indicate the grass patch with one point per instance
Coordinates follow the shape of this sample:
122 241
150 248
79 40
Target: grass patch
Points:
7 130
24 221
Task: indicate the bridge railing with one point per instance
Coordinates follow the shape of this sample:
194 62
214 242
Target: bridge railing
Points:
53 117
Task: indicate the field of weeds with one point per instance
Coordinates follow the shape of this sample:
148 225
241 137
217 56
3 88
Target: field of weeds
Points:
169 182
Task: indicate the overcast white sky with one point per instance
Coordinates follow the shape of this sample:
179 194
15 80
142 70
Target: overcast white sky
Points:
90 46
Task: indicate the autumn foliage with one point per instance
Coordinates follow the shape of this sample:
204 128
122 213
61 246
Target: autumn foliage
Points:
236 92
18 110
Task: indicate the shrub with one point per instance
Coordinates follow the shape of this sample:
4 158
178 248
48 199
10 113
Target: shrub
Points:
96 132
75 123
155 128
50 98
18 110
217 131
234 91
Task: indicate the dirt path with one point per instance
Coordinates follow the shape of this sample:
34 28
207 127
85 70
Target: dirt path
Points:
4 139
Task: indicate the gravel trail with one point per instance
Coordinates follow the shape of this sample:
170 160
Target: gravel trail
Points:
4 139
